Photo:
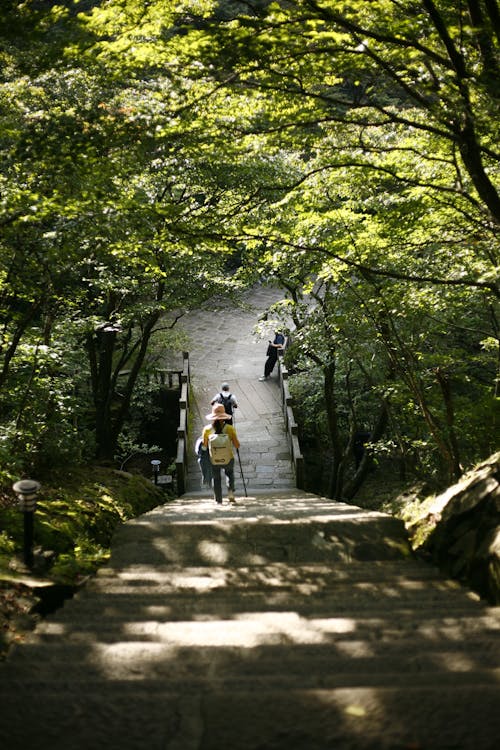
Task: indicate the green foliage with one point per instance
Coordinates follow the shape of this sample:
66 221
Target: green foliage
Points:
347 150
76 516
111 212
7 548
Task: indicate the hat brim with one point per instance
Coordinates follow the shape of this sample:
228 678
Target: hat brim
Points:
215 417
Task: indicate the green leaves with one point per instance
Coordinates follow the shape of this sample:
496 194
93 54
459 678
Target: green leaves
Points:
347 149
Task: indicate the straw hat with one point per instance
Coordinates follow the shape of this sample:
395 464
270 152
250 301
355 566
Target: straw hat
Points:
217 413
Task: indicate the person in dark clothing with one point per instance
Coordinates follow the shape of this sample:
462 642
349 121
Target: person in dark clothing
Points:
275 347
204 462
227 399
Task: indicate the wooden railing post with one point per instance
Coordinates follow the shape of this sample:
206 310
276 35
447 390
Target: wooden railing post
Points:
291 425
182 430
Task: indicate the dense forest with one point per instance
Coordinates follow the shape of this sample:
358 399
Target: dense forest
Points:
155 153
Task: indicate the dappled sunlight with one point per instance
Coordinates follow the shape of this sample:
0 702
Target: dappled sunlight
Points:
246 631
55 628
305 630
167 549
128 660
146 648
213 552
457 661
269 642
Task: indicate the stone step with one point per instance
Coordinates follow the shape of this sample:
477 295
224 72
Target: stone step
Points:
233 582
362 604
316 575
407 568
276 625
133 660
257 640
384 626
225 522
315 581
366 718
264 504
239 543
63 679
205 587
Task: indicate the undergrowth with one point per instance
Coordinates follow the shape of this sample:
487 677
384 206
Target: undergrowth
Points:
74 521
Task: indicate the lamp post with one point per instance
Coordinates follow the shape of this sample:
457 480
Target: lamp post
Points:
27 491
155 463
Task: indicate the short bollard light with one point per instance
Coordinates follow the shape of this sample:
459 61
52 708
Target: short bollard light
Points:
155 463
27 492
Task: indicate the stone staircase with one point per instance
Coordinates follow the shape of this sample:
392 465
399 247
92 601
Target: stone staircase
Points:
283 623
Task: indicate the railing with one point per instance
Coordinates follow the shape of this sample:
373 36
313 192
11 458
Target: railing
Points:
183 379
182 431
169 378
291 425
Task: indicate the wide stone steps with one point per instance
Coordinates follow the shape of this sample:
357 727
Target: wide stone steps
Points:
261 627
138 660
267 529
319 719
76 680
345 603
442 623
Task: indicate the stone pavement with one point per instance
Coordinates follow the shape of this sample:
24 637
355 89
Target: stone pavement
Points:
223 348
286 622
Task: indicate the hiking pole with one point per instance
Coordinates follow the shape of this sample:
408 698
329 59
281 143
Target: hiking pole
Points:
239 459
241 471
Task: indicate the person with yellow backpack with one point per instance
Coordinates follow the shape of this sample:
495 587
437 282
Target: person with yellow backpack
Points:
220 438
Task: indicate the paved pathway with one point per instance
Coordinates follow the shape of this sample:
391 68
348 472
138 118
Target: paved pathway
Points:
225 348
287 622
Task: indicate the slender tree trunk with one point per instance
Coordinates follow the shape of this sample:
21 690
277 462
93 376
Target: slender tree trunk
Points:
353 486
444 384
110 415
10 350
337 470
102 348
120 415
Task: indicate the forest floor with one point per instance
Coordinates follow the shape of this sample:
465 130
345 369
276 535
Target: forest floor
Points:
17 615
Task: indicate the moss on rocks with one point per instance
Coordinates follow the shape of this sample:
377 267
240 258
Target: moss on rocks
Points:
74 522
459 530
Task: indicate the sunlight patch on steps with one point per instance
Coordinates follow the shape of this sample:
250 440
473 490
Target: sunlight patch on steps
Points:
247 630
139 659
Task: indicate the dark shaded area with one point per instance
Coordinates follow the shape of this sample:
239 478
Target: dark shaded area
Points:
51 598
162 429
158 427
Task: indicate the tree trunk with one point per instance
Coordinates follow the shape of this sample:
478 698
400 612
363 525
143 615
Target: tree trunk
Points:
353 486
104 347
337 471
110 415
444 383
